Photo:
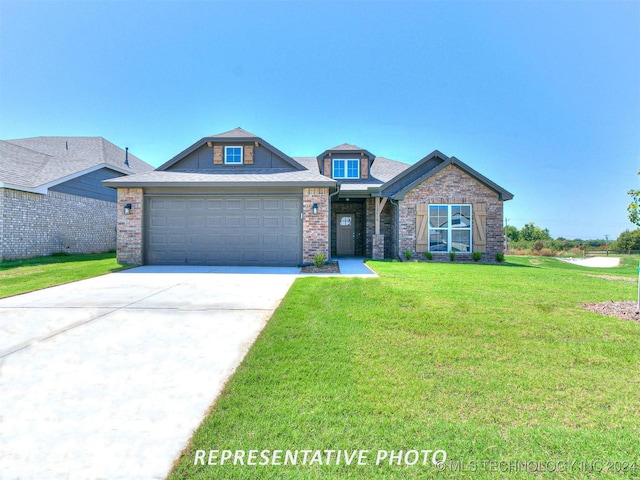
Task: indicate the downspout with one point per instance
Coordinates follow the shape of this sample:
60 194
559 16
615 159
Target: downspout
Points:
392 201
329 219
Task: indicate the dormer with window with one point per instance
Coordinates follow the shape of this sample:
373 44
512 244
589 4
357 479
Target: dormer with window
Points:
346 163
235 151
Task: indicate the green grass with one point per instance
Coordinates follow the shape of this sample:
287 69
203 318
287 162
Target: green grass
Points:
22 276
487 362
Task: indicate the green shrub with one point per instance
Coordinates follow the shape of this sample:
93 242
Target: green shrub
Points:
499 257
318 259
476 256
428 255
452 256
408 253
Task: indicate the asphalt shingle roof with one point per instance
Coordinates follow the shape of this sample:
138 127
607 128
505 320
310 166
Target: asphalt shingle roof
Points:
37 161
235 133
264 176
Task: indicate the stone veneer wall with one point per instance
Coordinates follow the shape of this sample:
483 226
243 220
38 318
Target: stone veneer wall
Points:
451 185
33 224
130 226
315 228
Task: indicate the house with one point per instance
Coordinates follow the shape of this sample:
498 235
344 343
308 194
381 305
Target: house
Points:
51 196
235 199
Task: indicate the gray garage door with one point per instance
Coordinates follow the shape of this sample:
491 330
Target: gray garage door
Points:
209 230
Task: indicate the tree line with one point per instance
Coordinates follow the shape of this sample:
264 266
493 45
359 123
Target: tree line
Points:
534 239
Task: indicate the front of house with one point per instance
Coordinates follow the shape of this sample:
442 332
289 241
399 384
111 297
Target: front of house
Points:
234 199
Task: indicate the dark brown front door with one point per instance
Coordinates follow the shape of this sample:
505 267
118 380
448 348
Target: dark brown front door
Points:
345 239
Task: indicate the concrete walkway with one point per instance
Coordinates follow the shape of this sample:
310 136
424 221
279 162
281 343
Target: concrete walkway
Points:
108 377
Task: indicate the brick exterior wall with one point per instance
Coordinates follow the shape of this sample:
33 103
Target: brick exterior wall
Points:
451 185
315 228
387 228
32 224
130 226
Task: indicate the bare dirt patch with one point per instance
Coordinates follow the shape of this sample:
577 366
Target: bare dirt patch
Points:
623 310
614 278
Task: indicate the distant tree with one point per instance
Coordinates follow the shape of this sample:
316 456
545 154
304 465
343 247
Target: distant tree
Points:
629 240
531 233
512 233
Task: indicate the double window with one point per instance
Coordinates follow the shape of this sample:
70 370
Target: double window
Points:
346 168
233 155
450 228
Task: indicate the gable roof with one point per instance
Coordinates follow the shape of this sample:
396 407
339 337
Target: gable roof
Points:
35 164
407 180
237 134
345 148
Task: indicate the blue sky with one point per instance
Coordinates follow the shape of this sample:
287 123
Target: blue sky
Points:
541 97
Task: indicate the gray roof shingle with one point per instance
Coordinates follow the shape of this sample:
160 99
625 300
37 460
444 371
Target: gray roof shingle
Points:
266 177
38 161
235 133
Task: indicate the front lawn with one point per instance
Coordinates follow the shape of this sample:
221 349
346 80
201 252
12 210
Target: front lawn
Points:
22 276
497 365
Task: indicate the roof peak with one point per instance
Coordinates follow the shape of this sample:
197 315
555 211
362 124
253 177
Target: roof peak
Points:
235 133
347 146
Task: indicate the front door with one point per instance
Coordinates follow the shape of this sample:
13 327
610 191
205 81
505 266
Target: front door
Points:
345 238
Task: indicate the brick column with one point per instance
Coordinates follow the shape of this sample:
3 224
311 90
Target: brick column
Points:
315 228
129 241
378 247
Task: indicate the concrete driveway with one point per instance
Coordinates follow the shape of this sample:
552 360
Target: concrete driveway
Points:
108 377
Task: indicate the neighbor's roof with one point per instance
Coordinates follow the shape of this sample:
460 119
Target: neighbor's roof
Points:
41 162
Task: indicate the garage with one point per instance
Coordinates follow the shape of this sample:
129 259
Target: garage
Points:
263 230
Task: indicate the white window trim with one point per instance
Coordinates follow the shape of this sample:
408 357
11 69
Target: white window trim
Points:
346 168
241 155
450 228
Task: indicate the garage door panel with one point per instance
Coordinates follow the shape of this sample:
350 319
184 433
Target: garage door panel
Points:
223 230
272 204
289 222
272 222
215 204
251 222
290 204
233 222
234 204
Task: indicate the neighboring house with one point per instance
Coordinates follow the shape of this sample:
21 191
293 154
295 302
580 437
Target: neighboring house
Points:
51 196
234 199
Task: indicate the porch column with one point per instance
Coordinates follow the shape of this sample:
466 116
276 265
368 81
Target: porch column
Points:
378 239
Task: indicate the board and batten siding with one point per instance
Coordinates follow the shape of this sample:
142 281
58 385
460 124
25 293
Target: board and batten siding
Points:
90 186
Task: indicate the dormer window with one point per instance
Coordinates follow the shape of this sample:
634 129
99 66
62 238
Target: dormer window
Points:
346 168
233 155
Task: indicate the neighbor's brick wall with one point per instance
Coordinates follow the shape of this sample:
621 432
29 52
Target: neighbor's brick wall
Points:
451 185
315 228
33 224
130 226
1 217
